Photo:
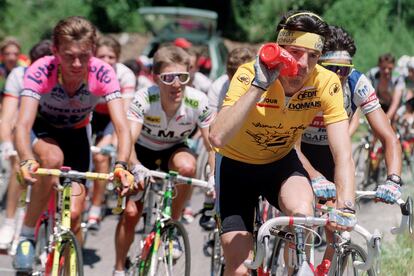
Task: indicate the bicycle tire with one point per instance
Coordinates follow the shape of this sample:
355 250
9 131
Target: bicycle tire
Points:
277 263
70 243
217 259
346 267
164 263
41 245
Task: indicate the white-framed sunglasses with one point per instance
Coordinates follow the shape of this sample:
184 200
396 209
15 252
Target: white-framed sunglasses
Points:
170 77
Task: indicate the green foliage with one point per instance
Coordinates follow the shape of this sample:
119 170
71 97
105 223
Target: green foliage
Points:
31 20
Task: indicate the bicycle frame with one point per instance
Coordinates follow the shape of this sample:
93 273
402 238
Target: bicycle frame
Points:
62 214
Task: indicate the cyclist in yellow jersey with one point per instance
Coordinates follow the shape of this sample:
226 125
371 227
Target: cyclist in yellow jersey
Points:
263 115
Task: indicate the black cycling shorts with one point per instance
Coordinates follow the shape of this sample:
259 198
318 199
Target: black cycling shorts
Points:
321 159
152 159
239 185
74 143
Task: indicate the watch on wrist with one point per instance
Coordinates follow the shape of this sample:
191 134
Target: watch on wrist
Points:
395 178
122 164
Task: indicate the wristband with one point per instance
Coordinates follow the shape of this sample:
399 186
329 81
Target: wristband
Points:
122 163
395 179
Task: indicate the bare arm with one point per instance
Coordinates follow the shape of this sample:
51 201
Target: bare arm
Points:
340 145
209 148
118 118
135 128
27 115
231 118
395 102
305 162
8 112
382 129
354 123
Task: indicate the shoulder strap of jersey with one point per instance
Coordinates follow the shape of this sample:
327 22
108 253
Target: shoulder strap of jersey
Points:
352 82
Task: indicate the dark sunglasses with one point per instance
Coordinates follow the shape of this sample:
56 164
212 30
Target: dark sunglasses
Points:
342 70
169 78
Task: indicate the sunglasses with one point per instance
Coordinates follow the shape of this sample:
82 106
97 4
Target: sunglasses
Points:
169 78
342 70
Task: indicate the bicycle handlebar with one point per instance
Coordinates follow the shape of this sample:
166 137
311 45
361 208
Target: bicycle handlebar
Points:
72 174
264 234
180 179
406 211
105 151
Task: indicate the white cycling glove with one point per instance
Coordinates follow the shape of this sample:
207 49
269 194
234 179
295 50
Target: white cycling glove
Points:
139 172
389 192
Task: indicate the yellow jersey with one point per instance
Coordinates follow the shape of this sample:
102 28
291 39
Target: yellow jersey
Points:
275 123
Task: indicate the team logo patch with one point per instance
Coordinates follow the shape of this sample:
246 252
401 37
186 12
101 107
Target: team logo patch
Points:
334 89
244 78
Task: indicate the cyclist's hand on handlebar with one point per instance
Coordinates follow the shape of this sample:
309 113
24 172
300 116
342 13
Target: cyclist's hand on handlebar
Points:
125 180
323 188
140 172
28 167
343 219
389 192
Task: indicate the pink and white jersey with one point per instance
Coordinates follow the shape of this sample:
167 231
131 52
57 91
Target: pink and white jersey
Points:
159 133
55 105
358 92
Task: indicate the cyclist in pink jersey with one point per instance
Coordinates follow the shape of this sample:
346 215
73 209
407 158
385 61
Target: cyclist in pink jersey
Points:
59 93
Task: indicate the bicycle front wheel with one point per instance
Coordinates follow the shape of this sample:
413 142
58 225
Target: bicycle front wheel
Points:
277 262
345 263
217 259
70 256
173 256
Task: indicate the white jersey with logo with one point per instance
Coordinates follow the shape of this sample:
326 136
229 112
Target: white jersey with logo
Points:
358 92
201 82
14 82
159 133
217 92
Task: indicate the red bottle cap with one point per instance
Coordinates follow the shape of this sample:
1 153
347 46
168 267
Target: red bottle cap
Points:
269 54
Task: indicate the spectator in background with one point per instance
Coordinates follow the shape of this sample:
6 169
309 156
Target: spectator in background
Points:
10 102
108 49
10 57
145 78
219 87
198 80
388 83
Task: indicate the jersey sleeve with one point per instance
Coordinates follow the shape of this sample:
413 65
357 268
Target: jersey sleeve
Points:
40 77
205 116
213 96
14 82
102 80
239 84
139 106
333 101
364 96
127 81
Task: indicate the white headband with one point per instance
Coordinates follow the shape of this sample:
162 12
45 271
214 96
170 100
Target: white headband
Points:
336 55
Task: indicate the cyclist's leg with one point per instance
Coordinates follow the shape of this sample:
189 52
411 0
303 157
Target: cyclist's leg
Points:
236 198
184 162
101 163
125 232
76 209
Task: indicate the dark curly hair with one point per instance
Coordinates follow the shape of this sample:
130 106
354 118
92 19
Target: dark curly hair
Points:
304 21
339 40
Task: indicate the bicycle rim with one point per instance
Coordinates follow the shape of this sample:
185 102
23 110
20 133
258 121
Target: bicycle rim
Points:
352 253
217 259
70 259
165 262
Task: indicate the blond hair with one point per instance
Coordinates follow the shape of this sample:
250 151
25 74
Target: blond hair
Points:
110 42
170 55
74 28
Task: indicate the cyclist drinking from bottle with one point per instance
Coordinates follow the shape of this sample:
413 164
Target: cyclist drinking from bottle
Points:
264 113
358 94
59 94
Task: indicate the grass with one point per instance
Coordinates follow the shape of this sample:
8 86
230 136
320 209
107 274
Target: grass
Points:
398 258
